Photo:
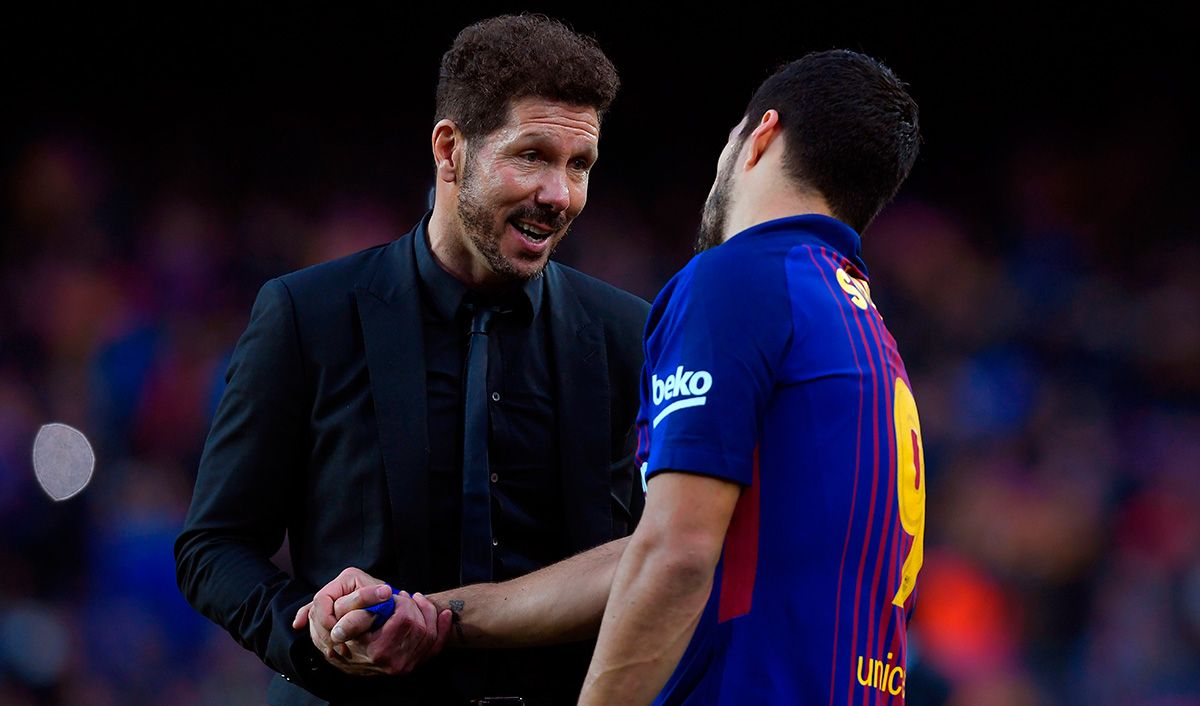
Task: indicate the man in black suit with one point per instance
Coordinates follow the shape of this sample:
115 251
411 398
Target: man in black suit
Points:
447 408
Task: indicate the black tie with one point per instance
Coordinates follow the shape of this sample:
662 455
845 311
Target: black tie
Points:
476 555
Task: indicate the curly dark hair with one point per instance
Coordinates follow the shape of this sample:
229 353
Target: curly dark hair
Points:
852 129
499 60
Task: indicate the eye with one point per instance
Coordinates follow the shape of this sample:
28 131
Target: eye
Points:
581 164
529 156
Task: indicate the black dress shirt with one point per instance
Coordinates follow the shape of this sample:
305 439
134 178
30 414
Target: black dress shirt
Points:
526 492
527 514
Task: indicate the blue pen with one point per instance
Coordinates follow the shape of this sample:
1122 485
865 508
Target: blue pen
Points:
382 611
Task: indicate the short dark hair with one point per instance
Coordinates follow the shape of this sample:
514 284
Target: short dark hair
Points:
851 129
502 59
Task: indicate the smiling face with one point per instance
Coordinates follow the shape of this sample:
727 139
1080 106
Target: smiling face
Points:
523 184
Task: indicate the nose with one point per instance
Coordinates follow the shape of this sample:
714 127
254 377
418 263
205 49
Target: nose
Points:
554 190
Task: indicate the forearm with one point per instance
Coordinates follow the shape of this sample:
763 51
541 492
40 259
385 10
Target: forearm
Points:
241 591
658 595
563 602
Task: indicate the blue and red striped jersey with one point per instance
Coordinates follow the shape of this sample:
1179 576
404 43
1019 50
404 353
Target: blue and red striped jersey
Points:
768 365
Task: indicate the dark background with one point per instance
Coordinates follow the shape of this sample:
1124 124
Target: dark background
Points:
1039 271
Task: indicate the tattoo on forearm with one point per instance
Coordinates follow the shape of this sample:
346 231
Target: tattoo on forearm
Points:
456 609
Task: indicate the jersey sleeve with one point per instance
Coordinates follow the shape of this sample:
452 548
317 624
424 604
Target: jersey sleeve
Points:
713 344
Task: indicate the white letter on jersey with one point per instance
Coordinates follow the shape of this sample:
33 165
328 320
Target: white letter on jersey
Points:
859 291
682 383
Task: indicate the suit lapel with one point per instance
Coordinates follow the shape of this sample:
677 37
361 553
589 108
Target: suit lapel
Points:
389 309
582 408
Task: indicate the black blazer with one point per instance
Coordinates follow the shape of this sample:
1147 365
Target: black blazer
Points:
321 434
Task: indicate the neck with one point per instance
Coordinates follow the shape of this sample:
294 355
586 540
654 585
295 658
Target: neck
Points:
452 251
760 206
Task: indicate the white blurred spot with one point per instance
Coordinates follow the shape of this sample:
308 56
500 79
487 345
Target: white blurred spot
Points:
63 460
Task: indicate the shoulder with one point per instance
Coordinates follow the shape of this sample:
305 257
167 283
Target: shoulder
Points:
743 272
735 294
344 273
603 300
319 303
328 290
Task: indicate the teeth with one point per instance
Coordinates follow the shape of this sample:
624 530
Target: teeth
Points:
532 232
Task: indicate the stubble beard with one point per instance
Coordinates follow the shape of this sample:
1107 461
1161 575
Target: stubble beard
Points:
716 207
478 221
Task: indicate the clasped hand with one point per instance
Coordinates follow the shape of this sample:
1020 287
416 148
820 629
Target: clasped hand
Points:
341 629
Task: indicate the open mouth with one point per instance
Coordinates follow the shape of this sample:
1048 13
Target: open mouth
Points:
534 232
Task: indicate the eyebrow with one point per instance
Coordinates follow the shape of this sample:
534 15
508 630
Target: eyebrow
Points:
542 136
537 135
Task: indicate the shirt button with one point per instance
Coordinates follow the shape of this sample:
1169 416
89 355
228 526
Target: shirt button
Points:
495 477
495 397
495 542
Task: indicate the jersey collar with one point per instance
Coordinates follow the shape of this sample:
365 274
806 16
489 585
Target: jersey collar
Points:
830 231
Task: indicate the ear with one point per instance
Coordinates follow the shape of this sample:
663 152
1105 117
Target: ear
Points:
448 150
764 134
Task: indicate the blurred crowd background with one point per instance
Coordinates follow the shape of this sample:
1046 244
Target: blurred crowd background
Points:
1041 273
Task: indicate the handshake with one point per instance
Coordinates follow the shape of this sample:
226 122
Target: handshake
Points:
361 633
557 604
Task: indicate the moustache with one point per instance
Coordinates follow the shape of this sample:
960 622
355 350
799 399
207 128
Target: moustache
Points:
552 220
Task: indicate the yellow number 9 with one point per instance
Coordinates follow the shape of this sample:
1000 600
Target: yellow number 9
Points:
910 486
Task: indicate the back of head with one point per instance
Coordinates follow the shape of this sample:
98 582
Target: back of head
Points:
850 127
502 59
